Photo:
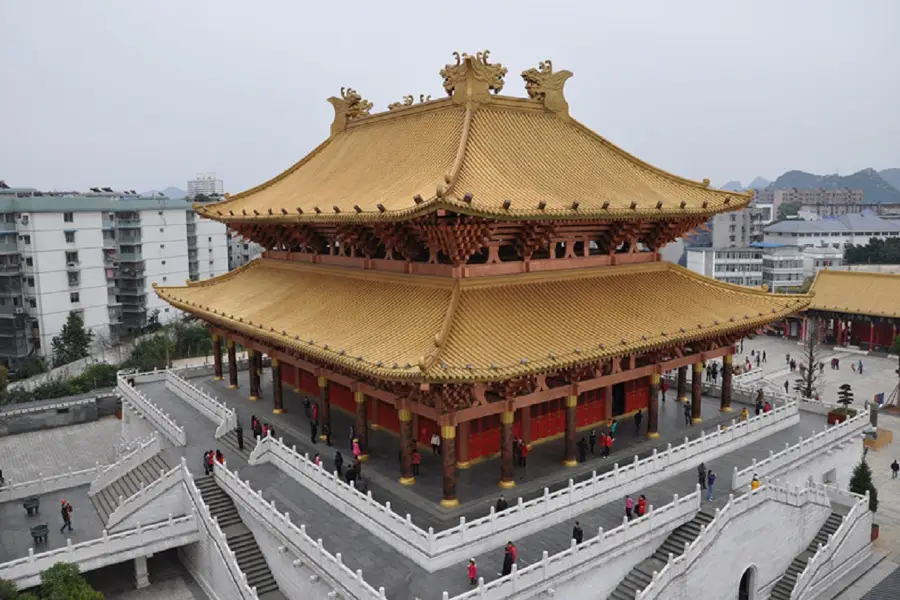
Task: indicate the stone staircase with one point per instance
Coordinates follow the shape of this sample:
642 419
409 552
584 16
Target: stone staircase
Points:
250 559
785 585
230 441
641 575
107 500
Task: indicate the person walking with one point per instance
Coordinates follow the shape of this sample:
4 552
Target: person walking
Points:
66 513
416 461
472 572
317 460
577 533
206 466
592 439
240 437
744 414
582 450
638 417
257 430
338 463
607 444
313 430
613 427
754 484
710 482
895 469
786 387
523 453
663 388
210 461
501 504
764 356
272 431
435 444
507 563
860 367
687 413
701 475
641 508
629 508
315 413
357 451
326 431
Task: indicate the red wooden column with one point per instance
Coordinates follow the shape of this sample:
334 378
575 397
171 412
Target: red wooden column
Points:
727 370
406 444
254 374
507 477
569 459
217 357
448 455
839 331
803 330
362 425
462 458
525 418
697 393
681 389
893 333
871 334
607 402
277 388
232 366
653 407
325 409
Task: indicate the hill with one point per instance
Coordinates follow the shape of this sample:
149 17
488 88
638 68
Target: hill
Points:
170 192
733 186
875 189
759 183
892 176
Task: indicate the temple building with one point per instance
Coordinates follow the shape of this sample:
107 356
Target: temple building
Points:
479 266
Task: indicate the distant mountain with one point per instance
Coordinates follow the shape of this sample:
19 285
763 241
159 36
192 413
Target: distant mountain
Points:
733 186
892 176
170 192
759 183
875 189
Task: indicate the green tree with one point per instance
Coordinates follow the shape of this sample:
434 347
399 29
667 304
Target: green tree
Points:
788 209
4 381
150 353
8 590
73 341
895 346
845 396
861 482
64 581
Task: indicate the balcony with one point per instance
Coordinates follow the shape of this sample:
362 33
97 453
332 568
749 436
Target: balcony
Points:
192 241
8 245
133 256
109 243
191 228
130 237
8 226
128 223
131 272
10 269
108 224
73 266
74 282
130 290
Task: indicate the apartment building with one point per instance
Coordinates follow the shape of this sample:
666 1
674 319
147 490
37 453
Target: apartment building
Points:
241 250
834 232
96 253
780 268
822 202
206 184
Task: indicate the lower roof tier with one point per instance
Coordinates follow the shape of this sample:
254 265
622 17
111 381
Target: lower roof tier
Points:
857 292
430 329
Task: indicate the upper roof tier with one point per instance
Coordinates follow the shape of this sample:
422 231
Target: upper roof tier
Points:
474 153
411 327
857 292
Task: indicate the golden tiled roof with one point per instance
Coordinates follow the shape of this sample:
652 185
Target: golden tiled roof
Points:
856 292
395 327
495 156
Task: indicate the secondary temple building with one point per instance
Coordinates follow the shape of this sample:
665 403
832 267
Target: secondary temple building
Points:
479 266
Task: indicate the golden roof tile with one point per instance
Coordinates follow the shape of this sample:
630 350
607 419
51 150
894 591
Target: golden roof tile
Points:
394 326
476 153
857 292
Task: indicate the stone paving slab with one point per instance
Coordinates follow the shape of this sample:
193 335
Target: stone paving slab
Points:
23 457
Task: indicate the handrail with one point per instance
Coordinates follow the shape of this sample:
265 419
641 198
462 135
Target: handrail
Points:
215 533
107 544
676 567
433 551
217 412
147 449
13 491
163 422
329 566
37 407
825 552
768 467
157 486
604 545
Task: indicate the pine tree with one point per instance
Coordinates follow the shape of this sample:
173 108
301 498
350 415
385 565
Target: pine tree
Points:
73 341
861 481
845 397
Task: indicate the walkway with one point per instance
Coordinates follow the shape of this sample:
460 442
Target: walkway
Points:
382 566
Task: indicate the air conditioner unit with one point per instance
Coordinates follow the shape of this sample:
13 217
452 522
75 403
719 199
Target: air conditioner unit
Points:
72 265
24 220
20 311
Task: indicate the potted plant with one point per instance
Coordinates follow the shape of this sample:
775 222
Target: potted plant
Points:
860 483
844 412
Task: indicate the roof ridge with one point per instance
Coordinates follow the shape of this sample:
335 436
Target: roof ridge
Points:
451 177
441 336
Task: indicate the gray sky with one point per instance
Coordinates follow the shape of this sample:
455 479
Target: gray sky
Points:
145 93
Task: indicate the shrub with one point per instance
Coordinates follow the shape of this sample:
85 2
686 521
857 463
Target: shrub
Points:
861 482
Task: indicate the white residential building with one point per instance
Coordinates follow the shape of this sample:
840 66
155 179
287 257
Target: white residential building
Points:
98 254
834 232
206 184
782 267
740 266
241 250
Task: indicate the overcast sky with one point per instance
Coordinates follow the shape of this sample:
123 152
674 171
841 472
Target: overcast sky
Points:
145 93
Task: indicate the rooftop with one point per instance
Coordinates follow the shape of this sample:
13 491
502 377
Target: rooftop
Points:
844 223
87 203
474 153
855 292
485 329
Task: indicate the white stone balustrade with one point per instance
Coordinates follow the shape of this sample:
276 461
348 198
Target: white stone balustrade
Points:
858 515
146 449
677 567
772 466
330 567
224 417
605 545
41 407
105 550
160 420
210 527
434 551
13 490
159 486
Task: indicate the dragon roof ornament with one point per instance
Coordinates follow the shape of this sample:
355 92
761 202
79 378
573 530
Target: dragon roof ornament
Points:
473 78
348 107
545 85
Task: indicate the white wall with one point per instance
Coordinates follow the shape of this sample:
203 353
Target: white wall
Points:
212 248
165 252
837 463
294 581
204 562
172 501
768 537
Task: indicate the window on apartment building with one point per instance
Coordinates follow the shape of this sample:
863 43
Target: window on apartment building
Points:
29 262
72 256
163 262
26 239
159 212
164 278
73 278
70 237
166 310
69 217
74 297
160 229
32 302
210 238
31 282
161 246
